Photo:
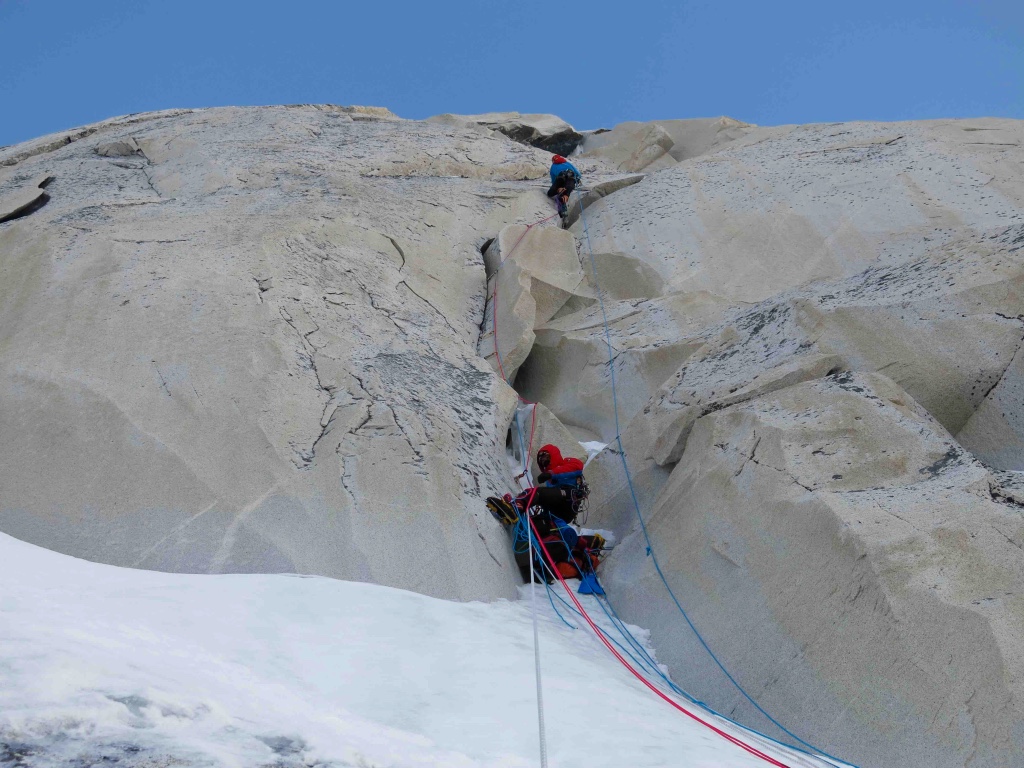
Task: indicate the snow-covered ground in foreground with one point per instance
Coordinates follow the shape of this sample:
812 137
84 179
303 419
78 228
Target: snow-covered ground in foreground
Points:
104 665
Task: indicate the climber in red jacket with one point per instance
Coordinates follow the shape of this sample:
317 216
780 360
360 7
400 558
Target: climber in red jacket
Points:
558 492
556 471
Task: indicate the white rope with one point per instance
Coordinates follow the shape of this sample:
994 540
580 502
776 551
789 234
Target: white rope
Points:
536 653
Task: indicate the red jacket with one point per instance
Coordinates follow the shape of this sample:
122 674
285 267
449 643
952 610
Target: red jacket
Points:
558 465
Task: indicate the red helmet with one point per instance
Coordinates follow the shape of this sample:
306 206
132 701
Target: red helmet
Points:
558 159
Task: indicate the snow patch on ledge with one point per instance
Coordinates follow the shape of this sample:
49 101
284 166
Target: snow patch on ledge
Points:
593 448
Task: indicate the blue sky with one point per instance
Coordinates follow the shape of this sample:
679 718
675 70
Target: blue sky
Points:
595 63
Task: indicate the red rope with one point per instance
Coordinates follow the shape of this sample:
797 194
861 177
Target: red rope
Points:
727 736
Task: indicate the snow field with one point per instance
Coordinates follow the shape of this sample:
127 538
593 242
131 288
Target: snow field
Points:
156 669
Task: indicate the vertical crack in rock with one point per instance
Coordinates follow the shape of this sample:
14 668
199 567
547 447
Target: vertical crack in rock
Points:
399 249
149 164
419 461
346 478
389 313
488 548
263 284
749 458
482 326
163 381
308 355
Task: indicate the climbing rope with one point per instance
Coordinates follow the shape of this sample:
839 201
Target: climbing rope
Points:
542 553
610 643
724 734
648 663
536 657
645 660
636 503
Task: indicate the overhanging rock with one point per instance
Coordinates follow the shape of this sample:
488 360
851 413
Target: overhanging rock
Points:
547 132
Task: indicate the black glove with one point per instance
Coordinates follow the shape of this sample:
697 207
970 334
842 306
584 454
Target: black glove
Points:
543 477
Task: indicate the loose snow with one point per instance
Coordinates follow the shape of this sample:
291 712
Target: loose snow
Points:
106 665
593 448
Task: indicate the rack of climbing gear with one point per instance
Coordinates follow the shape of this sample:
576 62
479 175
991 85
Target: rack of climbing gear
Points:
581 500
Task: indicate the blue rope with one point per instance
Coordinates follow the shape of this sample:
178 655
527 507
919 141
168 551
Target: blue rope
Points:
603 632
648 664
636 503
549 591
521 537
646 661
621 626
613 617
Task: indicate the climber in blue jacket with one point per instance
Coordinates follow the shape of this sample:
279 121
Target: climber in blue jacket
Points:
564 178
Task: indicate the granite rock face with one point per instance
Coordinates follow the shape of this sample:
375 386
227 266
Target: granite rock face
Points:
780 207
995 431
533 274
235 340
846 560
945 327
854 295
263 340
661 143
766 214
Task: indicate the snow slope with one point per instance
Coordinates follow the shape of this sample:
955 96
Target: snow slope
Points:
100 664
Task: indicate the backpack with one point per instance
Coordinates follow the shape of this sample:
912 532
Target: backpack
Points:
586 554
567 174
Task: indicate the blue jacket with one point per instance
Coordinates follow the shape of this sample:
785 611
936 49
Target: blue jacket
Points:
557 168
564 480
